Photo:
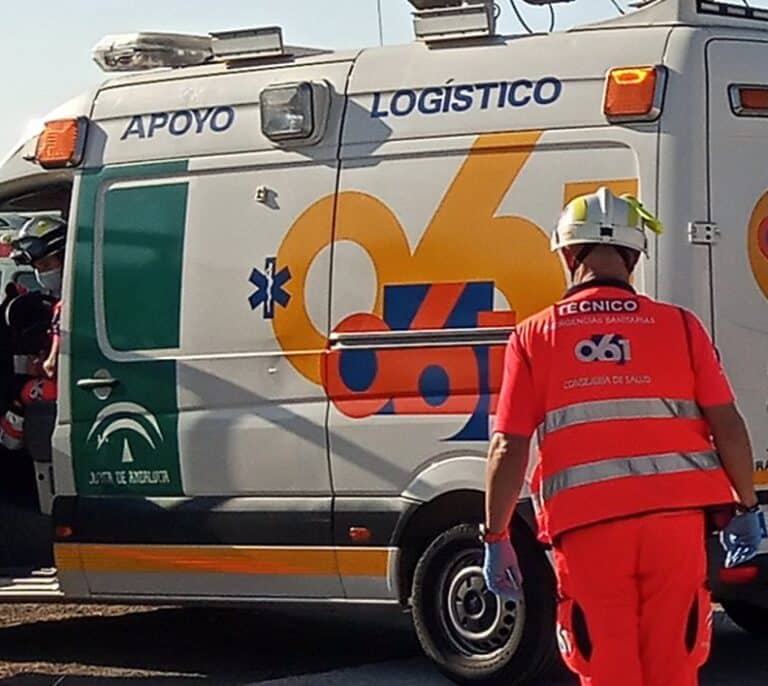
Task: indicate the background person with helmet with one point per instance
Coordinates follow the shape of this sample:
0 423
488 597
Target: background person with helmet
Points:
626 396
40 243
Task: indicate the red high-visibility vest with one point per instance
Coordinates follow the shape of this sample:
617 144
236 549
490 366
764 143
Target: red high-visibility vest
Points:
622 433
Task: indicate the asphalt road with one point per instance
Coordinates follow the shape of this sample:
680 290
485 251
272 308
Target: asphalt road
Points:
279 647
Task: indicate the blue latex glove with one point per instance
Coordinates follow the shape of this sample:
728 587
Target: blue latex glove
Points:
501 571
741 539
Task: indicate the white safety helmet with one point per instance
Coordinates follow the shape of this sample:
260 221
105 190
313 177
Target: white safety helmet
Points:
603 218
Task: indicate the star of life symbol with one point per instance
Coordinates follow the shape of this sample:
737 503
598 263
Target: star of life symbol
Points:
269 287
126 417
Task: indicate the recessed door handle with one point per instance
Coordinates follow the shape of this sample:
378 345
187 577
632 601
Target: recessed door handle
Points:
94 384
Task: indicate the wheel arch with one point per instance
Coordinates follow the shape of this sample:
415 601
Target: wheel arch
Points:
423 523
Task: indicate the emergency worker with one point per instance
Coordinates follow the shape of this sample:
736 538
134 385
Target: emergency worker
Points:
637 435
40 243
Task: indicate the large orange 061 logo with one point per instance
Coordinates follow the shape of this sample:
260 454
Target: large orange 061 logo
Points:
445 281
758 243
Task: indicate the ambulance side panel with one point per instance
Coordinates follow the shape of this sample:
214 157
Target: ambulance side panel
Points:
441 242
738 204
203 472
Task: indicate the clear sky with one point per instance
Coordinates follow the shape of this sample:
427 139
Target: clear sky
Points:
46 46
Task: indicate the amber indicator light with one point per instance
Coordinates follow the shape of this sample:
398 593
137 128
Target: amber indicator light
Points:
754 98
632 93
62 143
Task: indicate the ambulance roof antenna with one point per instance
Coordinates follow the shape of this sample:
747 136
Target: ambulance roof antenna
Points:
618 7
549 4
520 17
381 23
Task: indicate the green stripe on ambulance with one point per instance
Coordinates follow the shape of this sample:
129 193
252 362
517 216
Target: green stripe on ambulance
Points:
126 308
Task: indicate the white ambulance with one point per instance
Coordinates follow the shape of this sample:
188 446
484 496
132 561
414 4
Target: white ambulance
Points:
290 275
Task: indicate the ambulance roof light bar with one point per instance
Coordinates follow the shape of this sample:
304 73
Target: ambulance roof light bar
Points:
451 20
141 51
248 43
725 9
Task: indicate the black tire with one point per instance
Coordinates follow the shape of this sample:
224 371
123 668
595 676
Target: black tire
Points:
751 618
479 642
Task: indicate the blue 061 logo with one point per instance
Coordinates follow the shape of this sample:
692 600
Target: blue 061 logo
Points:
604 348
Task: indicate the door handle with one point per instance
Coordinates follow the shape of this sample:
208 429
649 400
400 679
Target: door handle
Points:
95 383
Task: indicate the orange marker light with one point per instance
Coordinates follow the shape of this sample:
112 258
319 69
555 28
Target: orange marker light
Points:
63 531
754 98
634 93
62 143
359 534
749 101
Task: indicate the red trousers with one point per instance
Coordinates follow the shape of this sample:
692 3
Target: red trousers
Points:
634 608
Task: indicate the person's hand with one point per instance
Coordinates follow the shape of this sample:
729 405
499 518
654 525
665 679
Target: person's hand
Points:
741 539
501 570
49 367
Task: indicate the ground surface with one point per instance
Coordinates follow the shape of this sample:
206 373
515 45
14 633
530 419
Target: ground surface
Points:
90 646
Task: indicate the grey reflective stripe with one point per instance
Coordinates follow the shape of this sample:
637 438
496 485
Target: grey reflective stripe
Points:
627 408
538 504
617 468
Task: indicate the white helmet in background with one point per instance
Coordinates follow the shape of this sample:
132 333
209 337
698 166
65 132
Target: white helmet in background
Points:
39 237
603 218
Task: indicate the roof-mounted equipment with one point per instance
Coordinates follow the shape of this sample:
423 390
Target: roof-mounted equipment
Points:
248 44
725 9
451 20
140 51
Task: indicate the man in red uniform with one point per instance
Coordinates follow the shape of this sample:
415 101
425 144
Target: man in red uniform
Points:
625 396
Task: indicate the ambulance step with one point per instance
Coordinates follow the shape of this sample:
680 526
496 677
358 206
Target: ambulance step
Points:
36 584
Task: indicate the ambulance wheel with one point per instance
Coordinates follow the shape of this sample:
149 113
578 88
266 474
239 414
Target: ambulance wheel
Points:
752 618
462 626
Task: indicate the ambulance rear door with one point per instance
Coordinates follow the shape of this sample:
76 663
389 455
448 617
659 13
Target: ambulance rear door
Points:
738 206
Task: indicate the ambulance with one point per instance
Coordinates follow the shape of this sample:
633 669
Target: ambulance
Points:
290 274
